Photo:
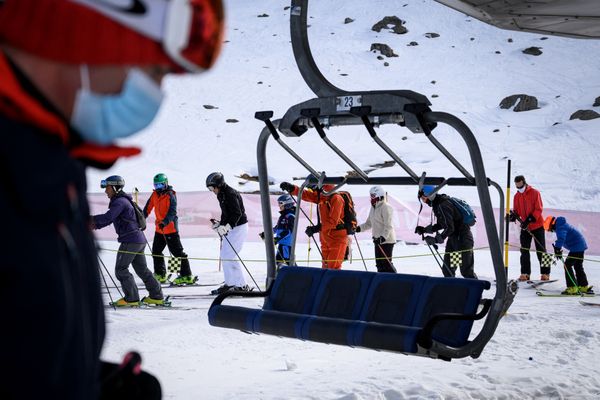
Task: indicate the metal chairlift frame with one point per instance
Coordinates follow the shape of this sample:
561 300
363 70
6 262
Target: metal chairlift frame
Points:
336 107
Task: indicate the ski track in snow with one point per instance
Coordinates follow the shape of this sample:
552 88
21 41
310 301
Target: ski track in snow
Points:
257 72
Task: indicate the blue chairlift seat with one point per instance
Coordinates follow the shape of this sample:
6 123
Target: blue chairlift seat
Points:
392 312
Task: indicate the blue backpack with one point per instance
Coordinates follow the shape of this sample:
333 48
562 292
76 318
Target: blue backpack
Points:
468 215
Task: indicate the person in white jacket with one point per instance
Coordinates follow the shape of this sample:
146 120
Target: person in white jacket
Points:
381 220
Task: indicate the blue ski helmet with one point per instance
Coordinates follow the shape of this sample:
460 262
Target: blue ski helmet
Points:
286 200
428 191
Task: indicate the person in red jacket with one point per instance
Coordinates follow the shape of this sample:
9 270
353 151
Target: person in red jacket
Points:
74 77
331 228
164 203
527 209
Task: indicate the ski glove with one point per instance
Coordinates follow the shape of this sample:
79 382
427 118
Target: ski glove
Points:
379 241
262 235
420 230
432 240
223 230
527 221
311 230
161 225
215 224
557 252
513 216
357 229
287 187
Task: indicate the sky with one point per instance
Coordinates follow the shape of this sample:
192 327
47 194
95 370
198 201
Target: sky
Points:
544 348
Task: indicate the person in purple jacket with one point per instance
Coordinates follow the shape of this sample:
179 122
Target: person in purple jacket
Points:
570 238
131 251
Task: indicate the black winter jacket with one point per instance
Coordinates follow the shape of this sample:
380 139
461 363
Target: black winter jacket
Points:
232 207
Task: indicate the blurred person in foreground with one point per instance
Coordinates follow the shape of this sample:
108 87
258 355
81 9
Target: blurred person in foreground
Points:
75 75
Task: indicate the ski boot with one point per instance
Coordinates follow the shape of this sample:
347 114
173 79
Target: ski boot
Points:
222 289
244 288
586 289
570 291
124 303
523 278
545 277
156 302
162 278
185 280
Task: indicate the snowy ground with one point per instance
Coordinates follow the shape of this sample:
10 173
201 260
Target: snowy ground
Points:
544 348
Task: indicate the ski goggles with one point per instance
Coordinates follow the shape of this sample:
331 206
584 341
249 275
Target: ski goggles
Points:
190 31
104 183
160 185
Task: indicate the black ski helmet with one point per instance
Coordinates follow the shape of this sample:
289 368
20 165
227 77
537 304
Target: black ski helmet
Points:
116 181
215 179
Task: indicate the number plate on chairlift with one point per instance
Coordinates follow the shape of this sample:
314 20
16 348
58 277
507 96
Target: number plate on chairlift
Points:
344 103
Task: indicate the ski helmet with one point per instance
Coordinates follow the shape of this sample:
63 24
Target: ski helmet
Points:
117 182
377 193
428 191
160 181
550 223
215 179
286 200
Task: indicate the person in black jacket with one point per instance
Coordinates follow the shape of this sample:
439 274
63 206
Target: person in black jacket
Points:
459 244
232 228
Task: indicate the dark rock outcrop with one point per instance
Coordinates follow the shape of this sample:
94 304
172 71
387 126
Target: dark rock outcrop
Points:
585 115
524 102
383 49
397 25
533 51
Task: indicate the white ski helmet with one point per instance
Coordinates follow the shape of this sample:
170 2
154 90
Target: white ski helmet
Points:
377 192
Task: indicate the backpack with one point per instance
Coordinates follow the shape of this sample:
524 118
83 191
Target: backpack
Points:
139 214
349 213
468 216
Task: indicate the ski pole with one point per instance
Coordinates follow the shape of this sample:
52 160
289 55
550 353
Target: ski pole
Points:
360 251
110 276
385 255
236 253
220 248
107 289
310 212
311 223
445 269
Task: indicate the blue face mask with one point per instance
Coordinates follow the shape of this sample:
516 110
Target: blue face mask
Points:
103 118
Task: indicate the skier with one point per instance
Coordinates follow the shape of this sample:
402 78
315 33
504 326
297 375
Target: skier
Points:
528 209
459 247
381 219
164 203
570 238
82 74
283 229
331 228
232 228
131 250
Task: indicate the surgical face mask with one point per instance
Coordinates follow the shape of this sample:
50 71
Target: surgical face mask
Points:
103 118
521 189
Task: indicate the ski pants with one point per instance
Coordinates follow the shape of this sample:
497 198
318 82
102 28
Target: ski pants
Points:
383 257
283 254
231 245
125 257
333 247
575 260
459 252
540 247
173 242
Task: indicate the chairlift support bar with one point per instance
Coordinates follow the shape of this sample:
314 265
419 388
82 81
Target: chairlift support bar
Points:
313 114
363 113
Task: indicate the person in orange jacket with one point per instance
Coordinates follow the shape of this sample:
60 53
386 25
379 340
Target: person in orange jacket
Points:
164 203
527 209
332 232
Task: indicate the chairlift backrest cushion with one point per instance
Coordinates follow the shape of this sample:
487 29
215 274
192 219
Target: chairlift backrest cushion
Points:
341 294
294 290
449 295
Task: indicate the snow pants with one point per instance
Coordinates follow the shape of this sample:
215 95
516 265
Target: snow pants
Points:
383 257
540 246
231 244
173 242
333 246
575 260
125 257
459 253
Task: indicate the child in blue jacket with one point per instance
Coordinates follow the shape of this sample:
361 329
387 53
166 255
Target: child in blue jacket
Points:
282 231
570 238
